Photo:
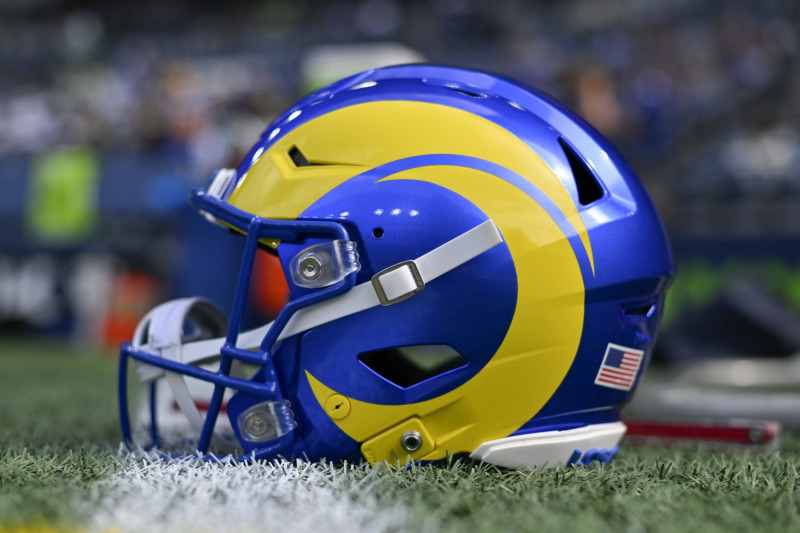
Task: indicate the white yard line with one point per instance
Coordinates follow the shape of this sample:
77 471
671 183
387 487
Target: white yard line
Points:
151 495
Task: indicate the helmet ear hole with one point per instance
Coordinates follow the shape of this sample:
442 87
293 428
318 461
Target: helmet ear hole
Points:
407 366
377 233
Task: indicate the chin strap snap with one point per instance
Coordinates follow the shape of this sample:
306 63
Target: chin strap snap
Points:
397 283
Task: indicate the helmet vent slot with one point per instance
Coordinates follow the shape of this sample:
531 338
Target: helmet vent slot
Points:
298 157
410 365
465 91
589 188
639 310
459 87
300 160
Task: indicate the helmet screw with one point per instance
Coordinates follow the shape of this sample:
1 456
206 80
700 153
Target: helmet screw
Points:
256 424
310 267
411 441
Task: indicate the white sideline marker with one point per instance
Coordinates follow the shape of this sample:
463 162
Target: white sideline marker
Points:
153 495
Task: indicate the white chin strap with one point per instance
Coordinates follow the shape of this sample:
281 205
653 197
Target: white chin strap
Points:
162 329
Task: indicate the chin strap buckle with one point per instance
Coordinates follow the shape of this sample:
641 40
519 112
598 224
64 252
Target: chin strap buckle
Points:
397 283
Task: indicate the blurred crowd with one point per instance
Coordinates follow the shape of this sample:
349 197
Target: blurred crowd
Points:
703 96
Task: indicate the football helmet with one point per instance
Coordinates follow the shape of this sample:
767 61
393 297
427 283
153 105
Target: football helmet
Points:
472 269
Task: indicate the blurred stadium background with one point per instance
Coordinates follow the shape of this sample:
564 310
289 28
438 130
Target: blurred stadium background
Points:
112 111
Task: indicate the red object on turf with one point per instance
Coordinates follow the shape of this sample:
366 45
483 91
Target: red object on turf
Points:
756 433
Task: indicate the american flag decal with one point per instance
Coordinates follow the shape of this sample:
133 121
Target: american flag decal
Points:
619 367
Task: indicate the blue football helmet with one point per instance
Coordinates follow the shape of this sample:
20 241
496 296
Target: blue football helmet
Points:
472 269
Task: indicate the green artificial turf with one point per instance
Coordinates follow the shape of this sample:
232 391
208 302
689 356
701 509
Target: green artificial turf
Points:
643 490
59 436
58 430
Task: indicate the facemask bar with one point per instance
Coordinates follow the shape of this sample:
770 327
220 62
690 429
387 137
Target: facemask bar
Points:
255 228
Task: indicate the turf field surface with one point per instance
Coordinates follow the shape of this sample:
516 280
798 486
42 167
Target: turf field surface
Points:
62 468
